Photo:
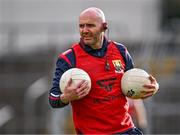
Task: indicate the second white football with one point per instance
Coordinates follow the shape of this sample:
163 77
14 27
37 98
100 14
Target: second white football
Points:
132 82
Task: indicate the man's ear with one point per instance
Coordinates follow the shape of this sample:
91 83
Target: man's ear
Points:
105 27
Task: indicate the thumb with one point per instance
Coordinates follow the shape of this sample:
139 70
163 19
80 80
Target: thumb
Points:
62 97
69 82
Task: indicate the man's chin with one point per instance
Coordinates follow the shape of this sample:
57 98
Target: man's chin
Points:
87 42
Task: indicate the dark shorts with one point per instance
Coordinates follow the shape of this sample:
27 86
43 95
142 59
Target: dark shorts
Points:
132 131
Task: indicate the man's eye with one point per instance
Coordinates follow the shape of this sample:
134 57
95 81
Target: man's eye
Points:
90 25
81 26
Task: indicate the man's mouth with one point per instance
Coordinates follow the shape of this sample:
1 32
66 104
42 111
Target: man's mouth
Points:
86 38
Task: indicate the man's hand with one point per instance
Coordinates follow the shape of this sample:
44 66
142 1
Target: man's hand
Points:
72 92
151 89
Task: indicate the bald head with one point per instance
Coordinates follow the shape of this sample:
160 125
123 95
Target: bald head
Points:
92 27
94 12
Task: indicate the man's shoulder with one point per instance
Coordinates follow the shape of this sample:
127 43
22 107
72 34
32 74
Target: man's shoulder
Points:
121 47
67 56
66 52
75 45
118 44
70 50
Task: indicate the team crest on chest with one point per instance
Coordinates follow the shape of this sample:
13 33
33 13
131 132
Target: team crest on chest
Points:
118 65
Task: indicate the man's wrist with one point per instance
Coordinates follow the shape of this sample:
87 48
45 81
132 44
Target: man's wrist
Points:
65 101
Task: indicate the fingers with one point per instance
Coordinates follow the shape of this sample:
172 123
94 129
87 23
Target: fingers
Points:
147 93
153 86
75 92
82 86
152 79
83 90
149 86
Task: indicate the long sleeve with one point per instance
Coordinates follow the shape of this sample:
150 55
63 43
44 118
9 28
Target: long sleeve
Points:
64 62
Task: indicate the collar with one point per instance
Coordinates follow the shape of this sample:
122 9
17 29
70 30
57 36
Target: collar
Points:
95 52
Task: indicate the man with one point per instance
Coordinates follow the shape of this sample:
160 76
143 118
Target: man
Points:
103 109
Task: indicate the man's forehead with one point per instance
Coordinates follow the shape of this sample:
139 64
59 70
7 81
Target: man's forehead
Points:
89 16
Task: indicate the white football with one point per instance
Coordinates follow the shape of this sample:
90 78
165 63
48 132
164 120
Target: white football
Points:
77 75
132 82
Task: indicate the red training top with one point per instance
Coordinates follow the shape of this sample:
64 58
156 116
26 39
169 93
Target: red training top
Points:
105 109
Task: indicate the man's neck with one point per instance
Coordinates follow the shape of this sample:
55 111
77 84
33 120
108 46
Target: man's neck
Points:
99 44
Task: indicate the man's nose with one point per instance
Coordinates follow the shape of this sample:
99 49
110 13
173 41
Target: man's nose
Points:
85 29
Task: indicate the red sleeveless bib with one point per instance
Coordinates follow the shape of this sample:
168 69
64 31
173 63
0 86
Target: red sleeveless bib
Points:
105 108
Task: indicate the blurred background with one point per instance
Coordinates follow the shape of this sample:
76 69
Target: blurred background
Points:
34 32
